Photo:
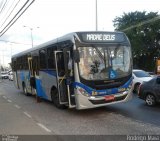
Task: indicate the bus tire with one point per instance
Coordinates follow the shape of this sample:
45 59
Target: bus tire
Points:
24 89
55 99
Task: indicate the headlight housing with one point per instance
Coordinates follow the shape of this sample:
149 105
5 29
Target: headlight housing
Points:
83 91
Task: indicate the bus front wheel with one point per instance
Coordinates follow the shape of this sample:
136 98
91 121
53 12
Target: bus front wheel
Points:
55 99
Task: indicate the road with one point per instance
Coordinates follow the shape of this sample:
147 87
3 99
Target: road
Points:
20 114
137 109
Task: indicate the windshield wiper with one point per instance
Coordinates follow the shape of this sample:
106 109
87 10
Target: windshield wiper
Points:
99 53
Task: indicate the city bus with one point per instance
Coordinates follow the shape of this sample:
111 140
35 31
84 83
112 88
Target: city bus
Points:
79 70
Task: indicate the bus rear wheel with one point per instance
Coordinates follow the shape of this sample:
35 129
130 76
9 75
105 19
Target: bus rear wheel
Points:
55 99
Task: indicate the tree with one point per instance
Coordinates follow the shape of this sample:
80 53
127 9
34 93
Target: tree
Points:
143 31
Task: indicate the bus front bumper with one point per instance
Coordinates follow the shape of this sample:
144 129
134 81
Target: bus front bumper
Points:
84 102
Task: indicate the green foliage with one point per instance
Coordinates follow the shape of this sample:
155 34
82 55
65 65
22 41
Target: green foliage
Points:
143 31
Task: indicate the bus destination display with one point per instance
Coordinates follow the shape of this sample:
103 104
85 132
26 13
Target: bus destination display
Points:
102 37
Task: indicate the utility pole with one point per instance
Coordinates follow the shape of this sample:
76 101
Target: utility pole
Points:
96 17
0 72
31 30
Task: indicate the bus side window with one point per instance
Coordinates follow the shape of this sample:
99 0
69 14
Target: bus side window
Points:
42 57
50 58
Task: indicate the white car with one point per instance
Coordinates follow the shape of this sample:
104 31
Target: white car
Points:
139 76
4 75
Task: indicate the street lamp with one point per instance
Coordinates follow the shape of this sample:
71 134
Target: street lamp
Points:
96 17
31 29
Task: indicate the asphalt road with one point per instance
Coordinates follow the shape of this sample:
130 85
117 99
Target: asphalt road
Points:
24 115
137 109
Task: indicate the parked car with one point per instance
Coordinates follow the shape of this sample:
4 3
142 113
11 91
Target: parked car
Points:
150 91
4 75
139 76
152 74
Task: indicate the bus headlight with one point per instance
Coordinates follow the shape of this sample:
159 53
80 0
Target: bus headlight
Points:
82 91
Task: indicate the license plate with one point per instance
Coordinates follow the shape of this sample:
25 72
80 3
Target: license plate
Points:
109 97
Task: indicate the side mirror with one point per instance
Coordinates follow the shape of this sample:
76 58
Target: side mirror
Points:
76 56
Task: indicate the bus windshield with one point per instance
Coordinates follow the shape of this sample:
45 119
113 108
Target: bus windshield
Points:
99 62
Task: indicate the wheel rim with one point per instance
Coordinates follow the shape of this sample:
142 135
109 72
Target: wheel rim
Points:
150 100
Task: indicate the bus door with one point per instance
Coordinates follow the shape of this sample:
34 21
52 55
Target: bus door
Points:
15 76
28 85
33 71
61 77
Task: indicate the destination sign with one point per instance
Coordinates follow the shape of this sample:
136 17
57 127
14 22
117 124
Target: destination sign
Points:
102 37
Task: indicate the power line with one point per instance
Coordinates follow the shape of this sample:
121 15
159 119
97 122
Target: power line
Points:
9 13
10 23
10 7
3 7
142 23
16 17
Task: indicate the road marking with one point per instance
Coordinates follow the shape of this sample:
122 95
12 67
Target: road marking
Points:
42 126
28 115
18 107
4 97
9 100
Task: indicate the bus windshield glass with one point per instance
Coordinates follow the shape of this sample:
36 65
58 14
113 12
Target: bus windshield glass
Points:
101 63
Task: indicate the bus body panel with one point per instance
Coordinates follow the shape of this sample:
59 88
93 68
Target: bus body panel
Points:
44 82
23 78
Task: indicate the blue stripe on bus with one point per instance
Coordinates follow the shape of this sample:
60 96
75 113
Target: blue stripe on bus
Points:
39 88
104 91
22 77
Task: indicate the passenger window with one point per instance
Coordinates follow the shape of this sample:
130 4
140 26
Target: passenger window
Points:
42 57
51 58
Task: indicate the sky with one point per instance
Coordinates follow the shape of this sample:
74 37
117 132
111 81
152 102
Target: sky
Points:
53 18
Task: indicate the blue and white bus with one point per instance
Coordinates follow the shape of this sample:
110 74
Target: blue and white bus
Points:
79 70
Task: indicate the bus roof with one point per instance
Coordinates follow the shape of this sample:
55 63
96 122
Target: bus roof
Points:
94 36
